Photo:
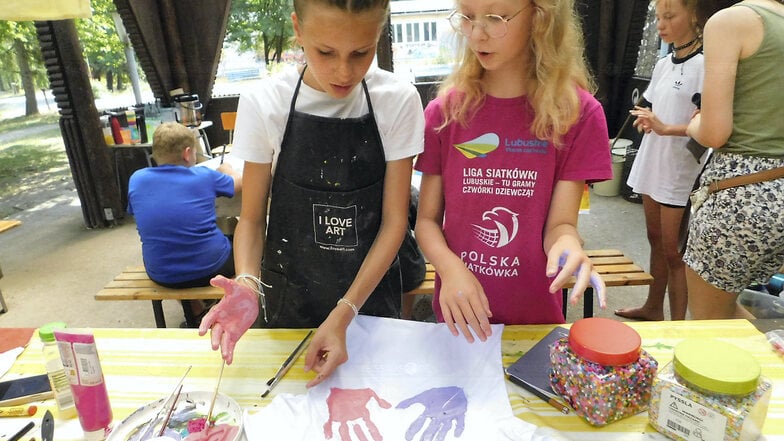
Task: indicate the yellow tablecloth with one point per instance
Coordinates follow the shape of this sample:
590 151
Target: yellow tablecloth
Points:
143 365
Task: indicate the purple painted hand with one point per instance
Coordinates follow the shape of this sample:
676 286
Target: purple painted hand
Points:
231 317
443 406
347 405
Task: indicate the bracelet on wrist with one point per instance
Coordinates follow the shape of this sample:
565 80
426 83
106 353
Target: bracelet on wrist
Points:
350 304
258 289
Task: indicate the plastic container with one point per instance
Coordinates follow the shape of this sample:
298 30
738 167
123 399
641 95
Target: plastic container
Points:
61 387
601 370
711 391
612 187
83 367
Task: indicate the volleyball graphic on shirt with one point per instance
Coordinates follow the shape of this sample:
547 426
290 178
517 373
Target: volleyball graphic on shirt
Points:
503 225
479 147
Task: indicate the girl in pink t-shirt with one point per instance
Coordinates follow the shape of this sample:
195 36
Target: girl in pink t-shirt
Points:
510 141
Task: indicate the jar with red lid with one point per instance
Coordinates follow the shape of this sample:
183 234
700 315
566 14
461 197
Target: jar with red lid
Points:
601 370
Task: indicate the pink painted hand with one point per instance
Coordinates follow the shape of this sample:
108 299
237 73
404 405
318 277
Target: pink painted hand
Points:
231 317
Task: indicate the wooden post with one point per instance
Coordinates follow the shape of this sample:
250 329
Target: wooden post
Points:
90 160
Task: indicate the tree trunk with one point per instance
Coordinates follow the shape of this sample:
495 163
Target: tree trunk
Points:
109 81
31 104
120 85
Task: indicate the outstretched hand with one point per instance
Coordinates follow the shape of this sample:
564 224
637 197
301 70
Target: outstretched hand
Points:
564 263
231 317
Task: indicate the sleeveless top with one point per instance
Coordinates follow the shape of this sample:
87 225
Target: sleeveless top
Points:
757 130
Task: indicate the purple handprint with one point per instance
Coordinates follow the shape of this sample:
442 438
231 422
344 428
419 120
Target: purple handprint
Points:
443 405
346 405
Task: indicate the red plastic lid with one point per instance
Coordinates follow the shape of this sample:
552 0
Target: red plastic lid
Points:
605 341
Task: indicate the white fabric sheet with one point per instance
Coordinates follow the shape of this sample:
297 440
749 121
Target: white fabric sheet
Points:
404 380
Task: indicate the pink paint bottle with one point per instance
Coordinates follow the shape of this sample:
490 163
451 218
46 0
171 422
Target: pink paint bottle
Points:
83 367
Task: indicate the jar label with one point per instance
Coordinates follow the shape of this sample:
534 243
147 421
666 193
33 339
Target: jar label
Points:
688 419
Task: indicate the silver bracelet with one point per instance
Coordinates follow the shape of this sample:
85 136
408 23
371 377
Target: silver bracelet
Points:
350 305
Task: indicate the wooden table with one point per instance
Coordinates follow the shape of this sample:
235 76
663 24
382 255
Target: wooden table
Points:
142 365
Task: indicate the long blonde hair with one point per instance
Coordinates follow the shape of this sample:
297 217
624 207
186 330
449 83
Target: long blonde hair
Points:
556 46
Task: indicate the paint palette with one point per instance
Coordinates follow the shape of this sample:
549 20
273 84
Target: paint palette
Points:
186 420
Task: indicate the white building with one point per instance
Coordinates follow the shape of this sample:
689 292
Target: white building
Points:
422 40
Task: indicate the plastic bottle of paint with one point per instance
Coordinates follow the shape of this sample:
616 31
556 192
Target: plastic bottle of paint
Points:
711 390
61 387
83 367
601 370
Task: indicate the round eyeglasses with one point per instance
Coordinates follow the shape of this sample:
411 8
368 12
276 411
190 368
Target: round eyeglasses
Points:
494 25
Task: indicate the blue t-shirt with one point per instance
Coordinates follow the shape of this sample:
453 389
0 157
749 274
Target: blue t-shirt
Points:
174 207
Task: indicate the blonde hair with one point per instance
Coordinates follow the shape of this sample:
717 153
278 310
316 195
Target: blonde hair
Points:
559 68
170 140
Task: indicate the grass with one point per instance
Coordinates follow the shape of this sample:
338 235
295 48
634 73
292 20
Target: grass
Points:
22 122
32 163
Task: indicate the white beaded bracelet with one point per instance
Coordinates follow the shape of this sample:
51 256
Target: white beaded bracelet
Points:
350 305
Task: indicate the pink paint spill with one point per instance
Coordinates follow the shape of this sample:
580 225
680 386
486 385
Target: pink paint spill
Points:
221 432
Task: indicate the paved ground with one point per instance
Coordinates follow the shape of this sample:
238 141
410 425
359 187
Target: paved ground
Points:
52 265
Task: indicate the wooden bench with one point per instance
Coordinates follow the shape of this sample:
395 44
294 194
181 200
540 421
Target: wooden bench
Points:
613 266
134 284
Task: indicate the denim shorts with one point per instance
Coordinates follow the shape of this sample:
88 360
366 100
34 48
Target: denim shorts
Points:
736 238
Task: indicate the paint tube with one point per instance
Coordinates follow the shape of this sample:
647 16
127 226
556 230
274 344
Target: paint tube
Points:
83 367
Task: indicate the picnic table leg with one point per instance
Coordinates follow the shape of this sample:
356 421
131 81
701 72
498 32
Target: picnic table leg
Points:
565 292
588 302
157 310
190 319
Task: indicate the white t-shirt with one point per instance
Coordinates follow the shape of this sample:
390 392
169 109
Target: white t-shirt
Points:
664 169
262 114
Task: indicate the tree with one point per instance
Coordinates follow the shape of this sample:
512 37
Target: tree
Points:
103 49
261 26
21 60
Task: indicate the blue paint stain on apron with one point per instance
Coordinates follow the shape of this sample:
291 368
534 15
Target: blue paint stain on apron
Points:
325 213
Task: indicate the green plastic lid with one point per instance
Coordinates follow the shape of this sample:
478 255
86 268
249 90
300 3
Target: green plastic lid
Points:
605 341
716 366
46 332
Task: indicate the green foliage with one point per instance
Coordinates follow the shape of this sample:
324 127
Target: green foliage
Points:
103 50
262 26
24 32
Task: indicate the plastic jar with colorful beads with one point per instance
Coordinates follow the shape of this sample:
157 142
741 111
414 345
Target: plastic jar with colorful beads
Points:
711 390
601 370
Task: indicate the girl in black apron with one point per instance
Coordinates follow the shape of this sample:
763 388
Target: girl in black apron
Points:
337 208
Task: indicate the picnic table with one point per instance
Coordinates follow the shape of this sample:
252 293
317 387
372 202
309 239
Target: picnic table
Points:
142 365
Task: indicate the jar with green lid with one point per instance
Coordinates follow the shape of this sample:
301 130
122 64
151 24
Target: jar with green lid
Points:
602 371
61 387
711 390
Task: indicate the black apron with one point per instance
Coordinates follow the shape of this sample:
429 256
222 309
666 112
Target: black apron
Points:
325 213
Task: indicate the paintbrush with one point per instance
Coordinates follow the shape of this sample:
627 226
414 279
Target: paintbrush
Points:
176 390
272 382
171 410
211 423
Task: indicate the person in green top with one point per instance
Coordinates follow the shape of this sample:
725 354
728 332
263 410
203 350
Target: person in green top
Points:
736 238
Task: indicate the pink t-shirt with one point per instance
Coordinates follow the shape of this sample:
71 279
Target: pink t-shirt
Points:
498 180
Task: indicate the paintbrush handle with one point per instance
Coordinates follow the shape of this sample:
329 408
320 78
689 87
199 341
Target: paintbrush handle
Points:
171 410
626 122
215 395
